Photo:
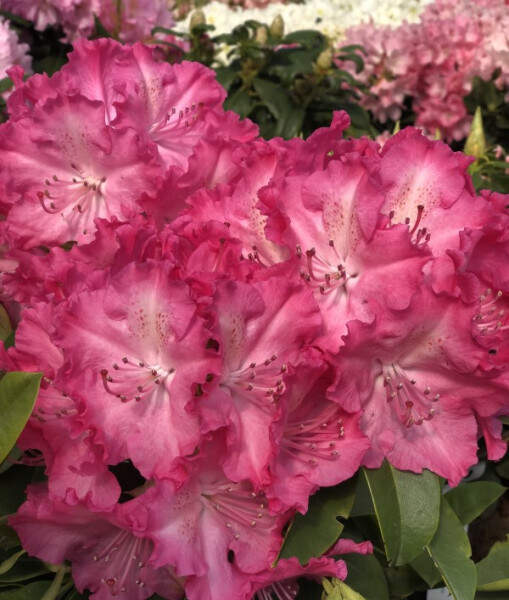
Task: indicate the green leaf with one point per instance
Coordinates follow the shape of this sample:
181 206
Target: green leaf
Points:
469 500
8 537
335 589
25 568
289 63
15 18
226 76
407 507
8 563
363 504
366 576
13 484
450 551
424 566
403 581
5 84
240 102
32 591
100 30
5 322
315 532
75 595
355 58
307 37
502 468
18 392
493 571
288 117
10 340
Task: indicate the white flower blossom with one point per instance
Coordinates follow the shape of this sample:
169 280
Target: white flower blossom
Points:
331 17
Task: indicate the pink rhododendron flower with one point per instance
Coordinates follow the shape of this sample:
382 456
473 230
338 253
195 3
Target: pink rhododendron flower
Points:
41 12
69 169
281 582
197 525
74 462
12 52
340 254
128 20
240 322
154 352
109 551
133 20
75 16
262 329
320 444
433 62
426 376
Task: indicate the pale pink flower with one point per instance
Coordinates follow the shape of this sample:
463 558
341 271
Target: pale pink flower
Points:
12 52
136 18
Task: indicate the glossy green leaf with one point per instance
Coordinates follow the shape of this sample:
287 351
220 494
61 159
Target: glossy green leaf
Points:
288 117
32 591
469 500
335 589
226 76
240 102
18 392
355 58
307 37
491 596
315 532
363 504
403 581
407 506
450 551
424 566
366 576
493 571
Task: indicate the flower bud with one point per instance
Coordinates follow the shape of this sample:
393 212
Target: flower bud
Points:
197 19
277 27
324 60
261 35
476 140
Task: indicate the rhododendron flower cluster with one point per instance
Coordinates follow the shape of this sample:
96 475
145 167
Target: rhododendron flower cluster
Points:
242 321
12 52
130 20
433 62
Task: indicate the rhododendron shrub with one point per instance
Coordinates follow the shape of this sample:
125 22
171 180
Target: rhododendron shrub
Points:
433 63
129 20
242 322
